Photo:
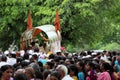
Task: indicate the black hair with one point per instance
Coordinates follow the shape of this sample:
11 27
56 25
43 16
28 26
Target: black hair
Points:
26 56
40 63
58 53
36 50
13 55
51 56
92 65
35 56
89 52
20 76
19 59
24 64
4 68
106 66
82 64
45 74
3 58
56 74
50 64
74 69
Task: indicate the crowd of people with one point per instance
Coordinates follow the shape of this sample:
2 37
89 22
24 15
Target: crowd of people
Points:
37 65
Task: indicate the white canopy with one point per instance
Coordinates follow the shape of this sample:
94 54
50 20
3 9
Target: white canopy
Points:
53 36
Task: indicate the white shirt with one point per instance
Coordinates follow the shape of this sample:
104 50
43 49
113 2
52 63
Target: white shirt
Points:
11 61
67 77
2 63
104 58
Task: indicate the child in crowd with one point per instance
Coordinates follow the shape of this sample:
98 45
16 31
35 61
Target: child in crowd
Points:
81 74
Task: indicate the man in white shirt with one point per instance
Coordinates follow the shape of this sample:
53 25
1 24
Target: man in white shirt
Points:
3 61
64 72
12 59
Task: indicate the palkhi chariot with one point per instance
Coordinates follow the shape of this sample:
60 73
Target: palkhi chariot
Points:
52 31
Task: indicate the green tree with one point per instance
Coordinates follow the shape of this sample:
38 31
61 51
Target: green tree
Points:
83 22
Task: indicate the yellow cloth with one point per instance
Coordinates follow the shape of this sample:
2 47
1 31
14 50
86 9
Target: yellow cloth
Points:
75 78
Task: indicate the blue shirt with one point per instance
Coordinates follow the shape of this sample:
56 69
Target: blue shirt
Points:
81 76
117 64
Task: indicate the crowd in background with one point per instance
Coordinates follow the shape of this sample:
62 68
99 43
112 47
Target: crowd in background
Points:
36 65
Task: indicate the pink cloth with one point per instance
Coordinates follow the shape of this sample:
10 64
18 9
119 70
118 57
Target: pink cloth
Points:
104 76
87 78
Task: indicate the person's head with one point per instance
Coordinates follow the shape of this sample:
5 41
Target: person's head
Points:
58 53
49 65
35 66
89 66
108 53
34 56
62 69
13 54
30 73
97 68
80 65
6 72
37 70
82 53
51 56
26 56
3 58
104 52
20 76
36 50
55 75
114 53
45 74
67 61
105 66
19 59
40 63
24 64
73 70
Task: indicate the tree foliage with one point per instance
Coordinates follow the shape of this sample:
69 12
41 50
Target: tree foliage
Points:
83 22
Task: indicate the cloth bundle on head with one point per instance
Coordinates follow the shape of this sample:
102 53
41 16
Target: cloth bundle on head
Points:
94 53
6 52
22 52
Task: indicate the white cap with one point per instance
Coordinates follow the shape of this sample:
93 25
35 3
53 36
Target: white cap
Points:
22 52
30 52
88 56
13 52
74 53
6 52
84 57
70 55
94 53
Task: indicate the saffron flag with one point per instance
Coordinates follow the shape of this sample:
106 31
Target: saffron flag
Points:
29 22
57 21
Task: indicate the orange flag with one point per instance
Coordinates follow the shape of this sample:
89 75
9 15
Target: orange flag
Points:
29 22
57 21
